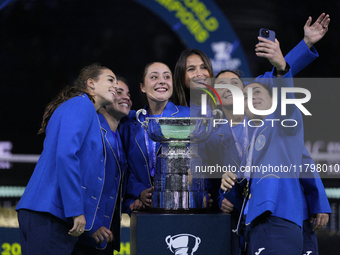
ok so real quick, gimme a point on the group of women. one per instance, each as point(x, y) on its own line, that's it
point(94, 165)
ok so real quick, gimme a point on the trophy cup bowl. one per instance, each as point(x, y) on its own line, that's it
point(177, 186)
point(179, 129)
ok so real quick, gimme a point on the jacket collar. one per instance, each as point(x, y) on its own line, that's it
point(169, 111)
point(109, 138)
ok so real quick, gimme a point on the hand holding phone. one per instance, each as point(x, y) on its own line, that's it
point(268, 34)
point(270, 51)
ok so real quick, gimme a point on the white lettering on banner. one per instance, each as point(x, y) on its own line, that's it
point(324, 151)
point(222, 59)
point(5, 150)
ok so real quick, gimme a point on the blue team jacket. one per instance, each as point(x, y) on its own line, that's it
point(283, 193)
point(109, 209)
point(69, 175)
point(315, 194)
point(294, 196)
point(134, 143)
point(298, 58)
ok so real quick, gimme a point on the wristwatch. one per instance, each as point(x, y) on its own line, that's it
point(283, 72)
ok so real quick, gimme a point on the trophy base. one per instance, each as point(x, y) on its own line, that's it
point(178, 211)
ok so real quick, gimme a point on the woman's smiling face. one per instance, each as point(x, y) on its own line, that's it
point(224, 93)
point(196, 72)
point(157, 83)
point(261, 99)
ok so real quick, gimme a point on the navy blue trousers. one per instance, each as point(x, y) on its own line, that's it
point(82, 249)
point(310, 242)
point(272, 235)
point(45, 234)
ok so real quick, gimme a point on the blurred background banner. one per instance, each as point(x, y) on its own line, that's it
point(44, 44)
point(202, 25)
point(3, 3)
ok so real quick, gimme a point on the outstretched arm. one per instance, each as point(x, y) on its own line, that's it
point(302, 54)
point(316, 31)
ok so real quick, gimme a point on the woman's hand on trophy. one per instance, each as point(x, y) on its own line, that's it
point(210, 201)
point(137, 205)
point(146, 196)
point(227, 206)
point(228, 181)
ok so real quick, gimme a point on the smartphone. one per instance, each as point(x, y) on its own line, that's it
point(268, 34)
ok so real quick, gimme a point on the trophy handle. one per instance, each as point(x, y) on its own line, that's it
point(197, 243)
point(219, 112)
point(198, 240)
point(143, 111)
point(168, 241)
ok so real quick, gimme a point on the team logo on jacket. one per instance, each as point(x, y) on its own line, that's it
point(260, 142)
point(183, 244)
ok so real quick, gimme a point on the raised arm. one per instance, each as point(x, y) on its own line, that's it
point(316, 31)
point(302, 54)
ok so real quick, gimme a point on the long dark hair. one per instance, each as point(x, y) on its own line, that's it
point(265, 86)
point(181, 95)
point(92, 71)
point(142, 81)
point(238, 73)
point(122, 79)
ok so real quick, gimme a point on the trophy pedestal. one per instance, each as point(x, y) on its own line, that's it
point(179, 211)
point(179, 233)
point(177, 186)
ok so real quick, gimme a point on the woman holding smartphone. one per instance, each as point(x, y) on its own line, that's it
point(194, 65)
point(234, 139)
point(278, 201)
point(228, 144)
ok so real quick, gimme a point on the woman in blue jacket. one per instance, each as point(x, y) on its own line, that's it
point(192, 70)
point(61, 199)
point(104, 237)
point(226, 145)
point(278, 201)
point(195, 66)
point(156, 84)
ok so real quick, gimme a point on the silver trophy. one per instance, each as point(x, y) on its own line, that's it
point(177, 186)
